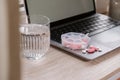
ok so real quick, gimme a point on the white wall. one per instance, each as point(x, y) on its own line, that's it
point(102, 6)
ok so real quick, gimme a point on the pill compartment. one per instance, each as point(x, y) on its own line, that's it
point(75, 40)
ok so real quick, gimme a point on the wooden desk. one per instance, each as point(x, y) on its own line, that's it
point(112, 75)
point(59, 65)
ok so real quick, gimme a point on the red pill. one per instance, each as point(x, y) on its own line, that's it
point(91, 50)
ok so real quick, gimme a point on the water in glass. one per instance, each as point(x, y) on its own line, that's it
point(35, 40)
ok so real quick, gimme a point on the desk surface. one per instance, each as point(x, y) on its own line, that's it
point(59, 65)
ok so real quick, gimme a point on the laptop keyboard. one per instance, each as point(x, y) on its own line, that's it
point(93, 25)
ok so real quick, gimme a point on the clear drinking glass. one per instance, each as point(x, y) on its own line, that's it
point(114, 10)
point(35, 37)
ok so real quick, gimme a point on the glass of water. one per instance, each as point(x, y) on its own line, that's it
point(35, 37)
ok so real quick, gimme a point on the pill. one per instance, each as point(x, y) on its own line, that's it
point(99, 50)
point(96, 48)
point(91, 50)
point(84, 51)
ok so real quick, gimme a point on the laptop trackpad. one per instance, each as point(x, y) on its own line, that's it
point(109, 38)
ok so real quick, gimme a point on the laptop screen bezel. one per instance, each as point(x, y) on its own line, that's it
point(66, 20)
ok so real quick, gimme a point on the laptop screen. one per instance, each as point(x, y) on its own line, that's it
point(59, 9)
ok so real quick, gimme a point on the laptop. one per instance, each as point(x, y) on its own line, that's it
point(78, 16)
